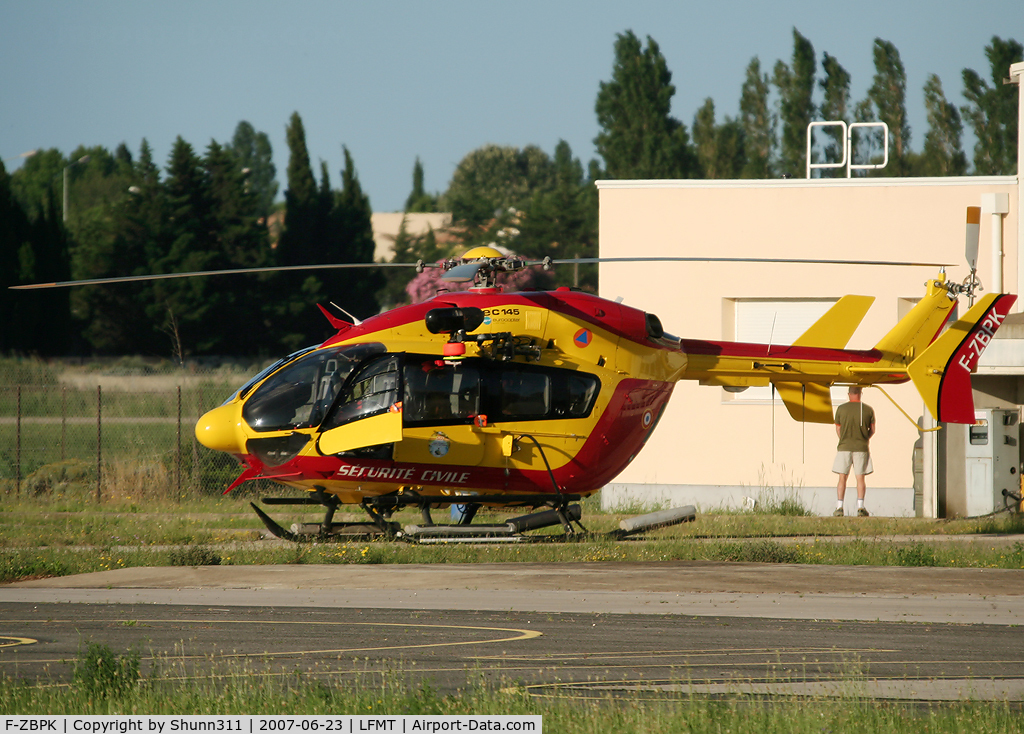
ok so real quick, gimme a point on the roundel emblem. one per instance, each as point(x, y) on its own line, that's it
point(583, 337)
point(439, 445)
point(648, 418)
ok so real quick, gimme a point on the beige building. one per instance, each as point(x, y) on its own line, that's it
point(713, 447)
point(386, 226)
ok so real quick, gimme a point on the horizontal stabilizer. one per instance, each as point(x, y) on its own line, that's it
point(807, 402)
point(834, 329)
point(942, 373)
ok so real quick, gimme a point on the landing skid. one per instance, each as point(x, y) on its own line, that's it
point(380, 526)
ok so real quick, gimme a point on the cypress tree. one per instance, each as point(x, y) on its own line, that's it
point(796, 105)
point(296, 245)
point(943, 154)
point(758, 122)
point(638, 137)
point(992, 111)
point(888, 94)
point(419, 200)
point(352, 219)
point(834, 106)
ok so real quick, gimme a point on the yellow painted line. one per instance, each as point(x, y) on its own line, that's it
point(15, 641)
point(695, 653)
point(520, 635)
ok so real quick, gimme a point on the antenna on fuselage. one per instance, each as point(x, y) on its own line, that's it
point(355, 321)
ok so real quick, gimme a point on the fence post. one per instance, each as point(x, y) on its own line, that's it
point(177, 471)
point(17, 450)
point(99, 442)
point(63, 421)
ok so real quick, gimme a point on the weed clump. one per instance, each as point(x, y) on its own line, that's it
point(762, 551)
point(916, 554)
point(102, 673)
point(194, 555)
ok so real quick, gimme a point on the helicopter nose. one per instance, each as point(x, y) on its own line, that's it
point(221, 429)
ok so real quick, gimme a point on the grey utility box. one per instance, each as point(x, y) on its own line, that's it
point(992, 460)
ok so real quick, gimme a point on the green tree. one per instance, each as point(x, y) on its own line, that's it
point(758, 122)
point(351, 220)
point(296, 245)
point(888, 97)
point(719, 148)
point(292, 322)
point(182, 306)
point(795, 84)
point(408, 248)
point(704, 138)
point(32, 250)
point(492, 179)
point(419, 200)
point(943, 153)
point(992, 110)
point(39, 181)
point(561, 221)
point(124, 238)
point(835, 106)
point(254, 152)
point(638, 136)
point(240, 240)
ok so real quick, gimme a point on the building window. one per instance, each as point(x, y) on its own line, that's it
point(779, 322)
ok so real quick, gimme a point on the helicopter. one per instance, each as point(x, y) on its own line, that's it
point(537, 399)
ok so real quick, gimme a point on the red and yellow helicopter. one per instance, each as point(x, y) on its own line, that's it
point(538, 399)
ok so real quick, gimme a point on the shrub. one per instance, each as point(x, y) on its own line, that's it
point(60, 476)
point(102, 673)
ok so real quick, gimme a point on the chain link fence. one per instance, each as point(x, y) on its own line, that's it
point(113, 429)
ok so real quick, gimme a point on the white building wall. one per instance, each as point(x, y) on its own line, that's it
point(711, 449)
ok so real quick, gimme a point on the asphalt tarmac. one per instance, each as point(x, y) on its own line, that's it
point(921, 634)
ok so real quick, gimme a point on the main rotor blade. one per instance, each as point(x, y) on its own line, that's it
point(781, 260)
point(462, 273)
point(238, 271)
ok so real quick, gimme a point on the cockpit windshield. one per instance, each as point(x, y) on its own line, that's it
point(299, 394)
point(258, 377)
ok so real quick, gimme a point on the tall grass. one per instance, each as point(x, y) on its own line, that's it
point(66, 532)
point(106, 682)
point(33, 563)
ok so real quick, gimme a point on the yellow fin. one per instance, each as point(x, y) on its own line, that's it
point(812, 406)
point(834, 329)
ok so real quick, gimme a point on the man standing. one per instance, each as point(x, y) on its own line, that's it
point(855, 425)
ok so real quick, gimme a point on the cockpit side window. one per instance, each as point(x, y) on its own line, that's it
point(298, 395)
point(538, 393)
point(373, 389)
point(525, 394)
point(436, 392)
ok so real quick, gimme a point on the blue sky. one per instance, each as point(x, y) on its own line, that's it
point(397, 80)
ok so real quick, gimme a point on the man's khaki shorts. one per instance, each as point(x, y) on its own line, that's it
point(859, 460)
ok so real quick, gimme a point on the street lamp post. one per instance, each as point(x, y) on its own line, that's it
point(26, 154)
point(83, 159)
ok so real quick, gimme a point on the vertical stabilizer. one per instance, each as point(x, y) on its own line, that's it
point(917, 329)
point(942, 373)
